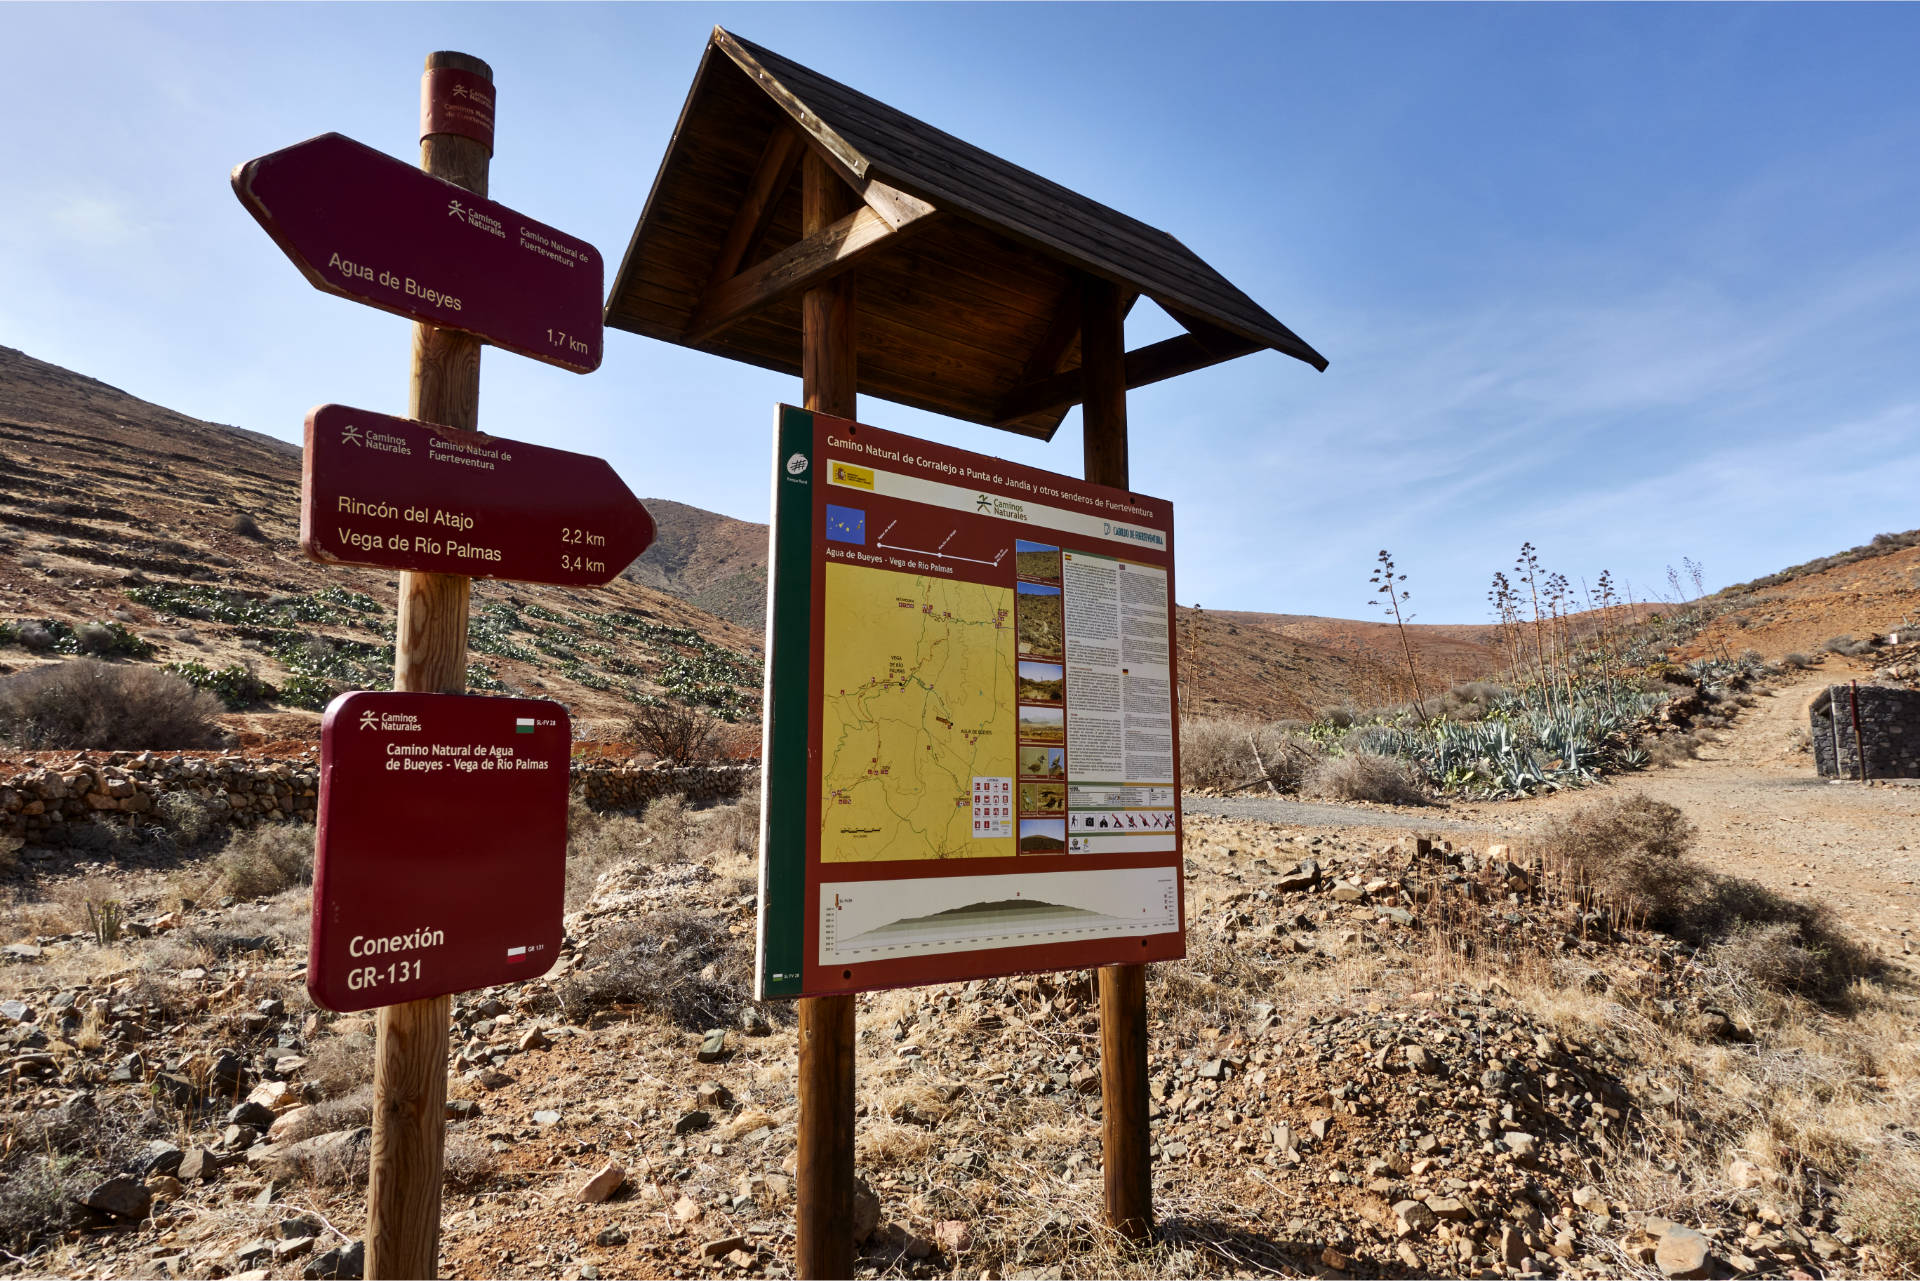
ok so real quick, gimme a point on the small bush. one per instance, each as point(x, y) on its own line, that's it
point(469, 1161)
point(596, 842)
point(1847, 646)
point(1363, 776)
point(187, 818)
point(736, 828)
point(1671, 749)
point(55, 1155)
point(93, 704)
point(243, 524)
point(338, 1066)
point(1213, 752)
point(1631, 853)
point(680, 964)
point(110, 639)
point(676, 734)
point(1797, 661)
point(34, 636)
point(669, 825)
point(264, 861)
point(234, 685)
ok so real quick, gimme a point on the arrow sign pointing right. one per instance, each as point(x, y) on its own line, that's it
point(361, 224)
point(398, 494)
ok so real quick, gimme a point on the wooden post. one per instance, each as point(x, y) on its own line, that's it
point(1125, 1138)
point(824, 1193)
point(430, 655)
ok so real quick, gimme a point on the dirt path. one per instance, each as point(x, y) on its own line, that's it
point(1761, 810)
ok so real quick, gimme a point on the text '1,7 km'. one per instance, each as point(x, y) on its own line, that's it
point(361, 224)
point(399, 494)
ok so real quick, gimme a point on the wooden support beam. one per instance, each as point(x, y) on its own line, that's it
point(823, 1202)
point(1124, 1138)
point(814, 261)
point(771, 178)
point(1153, 363)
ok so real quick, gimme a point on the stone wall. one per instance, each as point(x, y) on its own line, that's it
point(629, 786)
point(1889, 722)
point(44, 800)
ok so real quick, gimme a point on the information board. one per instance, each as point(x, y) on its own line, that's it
point(400, 494)
point(971, 750)
point(441, 858)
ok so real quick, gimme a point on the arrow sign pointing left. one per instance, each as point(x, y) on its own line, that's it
point(363, 225)
point(399, 494)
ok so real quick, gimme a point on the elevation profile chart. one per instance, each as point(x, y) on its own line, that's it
point(864, 921)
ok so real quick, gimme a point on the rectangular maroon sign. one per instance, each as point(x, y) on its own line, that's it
point(442, 853)
point(400, 494)
point(363, 225)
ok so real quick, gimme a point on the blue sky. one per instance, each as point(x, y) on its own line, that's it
point(1630, 282)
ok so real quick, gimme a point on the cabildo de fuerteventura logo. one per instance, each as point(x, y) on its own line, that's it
point(796, 464)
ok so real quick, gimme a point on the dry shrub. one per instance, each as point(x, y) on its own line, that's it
point(669, 825)
point(736, 828)
point(243, 524)
point(676, 734)
point(1214, 753)
point(54, 1155)
point(338, 1066)
point(469, 1162)
point(1847, 646)
point(260, 862)
point(1364, 776)
point(187, 818)
point(673, 962)
point(1670, 749)
point(350, 1110)
point(1231, 753)
point(87, 703)
point(1798, 661)
point(1631, 854)
point(596, 842)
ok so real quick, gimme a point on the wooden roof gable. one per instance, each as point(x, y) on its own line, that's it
point(969, 268)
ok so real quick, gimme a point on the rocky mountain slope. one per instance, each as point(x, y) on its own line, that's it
point(712, 561)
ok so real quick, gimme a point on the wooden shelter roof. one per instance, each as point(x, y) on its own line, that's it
point(969, 267)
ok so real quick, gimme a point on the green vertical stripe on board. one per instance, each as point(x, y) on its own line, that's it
point(790, 661)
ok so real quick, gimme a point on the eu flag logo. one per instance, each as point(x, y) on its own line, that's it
point(846, 525)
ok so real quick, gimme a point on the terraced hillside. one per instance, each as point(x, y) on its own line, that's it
point(137, 532)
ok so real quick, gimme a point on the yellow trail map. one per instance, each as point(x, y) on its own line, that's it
point(917, 701)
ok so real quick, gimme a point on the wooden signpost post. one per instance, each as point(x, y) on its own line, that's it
point(426, 495)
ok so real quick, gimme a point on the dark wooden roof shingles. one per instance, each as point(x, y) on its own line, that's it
point(957, 175)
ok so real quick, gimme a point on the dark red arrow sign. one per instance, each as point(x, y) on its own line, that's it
point(442, 853)
point(361, 224)
point(400, 494)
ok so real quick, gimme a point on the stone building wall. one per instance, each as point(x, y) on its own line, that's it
point(45, 801)
point(1889, 723)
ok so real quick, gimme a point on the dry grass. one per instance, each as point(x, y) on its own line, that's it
point(681, 964)
point(258, 862)
point(1364, 776)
